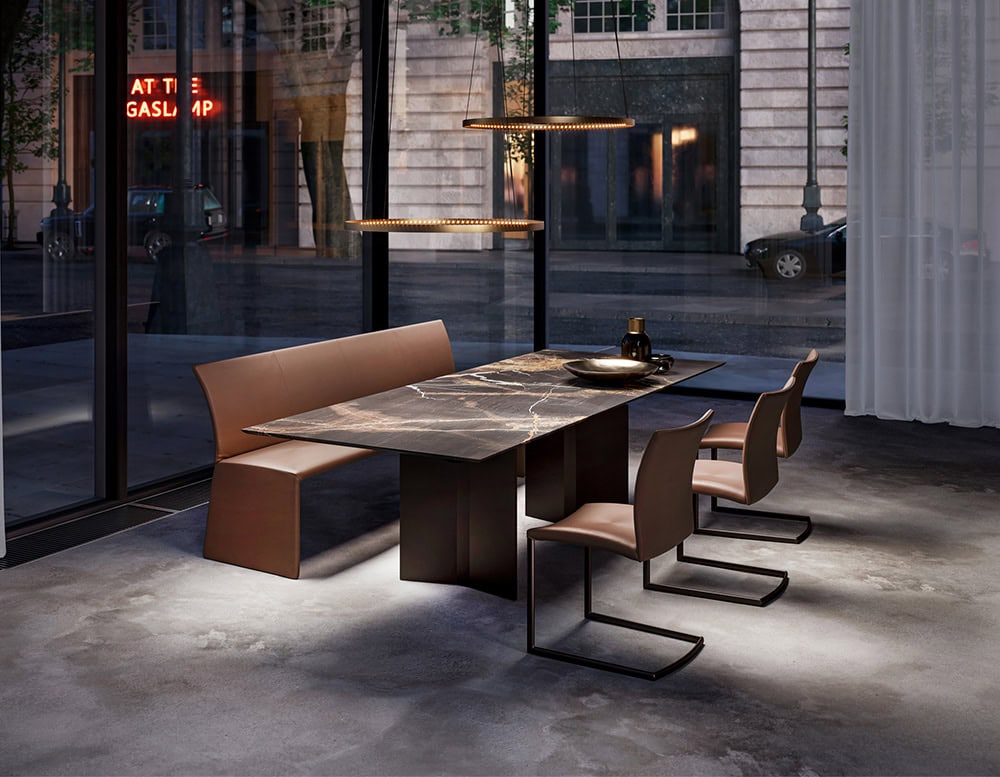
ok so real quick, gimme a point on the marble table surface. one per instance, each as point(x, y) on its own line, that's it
point(478, 413)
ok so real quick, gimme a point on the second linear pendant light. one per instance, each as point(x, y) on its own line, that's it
point(505, 123)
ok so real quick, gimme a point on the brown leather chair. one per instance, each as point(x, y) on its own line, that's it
point(745, 482)
point(659, 521)
point(731, 435)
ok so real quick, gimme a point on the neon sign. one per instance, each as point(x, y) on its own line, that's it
point(155, 97)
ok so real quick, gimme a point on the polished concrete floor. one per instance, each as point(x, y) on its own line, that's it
point(134, 655)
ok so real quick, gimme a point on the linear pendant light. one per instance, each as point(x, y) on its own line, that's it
point(537, 123)
point(544, 123)
point(438, 225)
point(444, 225)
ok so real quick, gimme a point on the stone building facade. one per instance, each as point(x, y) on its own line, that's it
point(736, 82)
point(773, 118)
point(718, 156)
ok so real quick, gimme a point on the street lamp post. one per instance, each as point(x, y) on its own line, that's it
point(60, 192)
point(56, 285)
point(811, 200)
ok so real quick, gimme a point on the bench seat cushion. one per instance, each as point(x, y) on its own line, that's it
point(302, 459)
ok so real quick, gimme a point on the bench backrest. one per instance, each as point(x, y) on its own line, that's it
point(260, 387)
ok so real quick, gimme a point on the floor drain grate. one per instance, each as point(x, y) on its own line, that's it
point(45, 542)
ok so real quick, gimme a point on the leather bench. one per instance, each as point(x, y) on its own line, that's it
point(253, 513)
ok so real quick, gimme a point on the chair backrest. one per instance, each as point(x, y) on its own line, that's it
point(760, 456)
point(664, 514)
point(790, 430)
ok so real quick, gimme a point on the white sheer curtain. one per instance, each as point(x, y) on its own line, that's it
point(923, 265)
point(3, 537)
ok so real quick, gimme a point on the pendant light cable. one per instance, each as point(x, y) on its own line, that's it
point(572, 54)
point(392, 92)
point(475, 52)
point(438, 225)
point(366, 192)
point(507, 145)
point(535, 123)
point(621, 69)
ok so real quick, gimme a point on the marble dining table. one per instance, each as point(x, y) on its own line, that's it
point(458, 437)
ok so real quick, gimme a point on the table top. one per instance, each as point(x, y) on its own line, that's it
point(477, 413)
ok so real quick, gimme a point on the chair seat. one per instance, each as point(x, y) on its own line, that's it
point(602, 525)
point(731, 435)
point(719, 478)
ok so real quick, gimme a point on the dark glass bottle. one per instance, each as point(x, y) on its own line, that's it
point(635, 343)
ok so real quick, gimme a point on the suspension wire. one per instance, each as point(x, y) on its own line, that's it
point(621, 70)
point(500, 24)
point(572, 54)
point(524, 61)
point(367, 189)
point(392, 90)
point(475, 51)
point(503, 70)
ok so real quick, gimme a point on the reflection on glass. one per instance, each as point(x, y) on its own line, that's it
point(639, 178)
point(243, 247)
point(694, 165)
point(478, 284)
point(582, 191)
point(648, 222)
point(47, 293)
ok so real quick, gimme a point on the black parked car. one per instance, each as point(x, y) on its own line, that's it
point(147, 209)
point(793, 255)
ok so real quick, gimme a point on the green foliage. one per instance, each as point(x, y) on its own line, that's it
point(510, 29)
point(30, 95)
point(508, 26)
point(12, 16)
point(71, 24)
point(459, 17)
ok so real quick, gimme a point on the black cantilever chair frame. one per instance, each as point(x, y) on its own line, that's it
point(658, 521)
point(746, 482)
point(698, 642)
point(732, 436)
point(723, 596)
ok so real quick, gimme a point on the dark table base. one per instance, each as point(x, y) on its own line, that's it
point(458, 520)
point(586, 462)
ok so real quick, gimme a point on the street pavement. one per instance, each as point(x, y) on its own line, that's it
point(695, 305)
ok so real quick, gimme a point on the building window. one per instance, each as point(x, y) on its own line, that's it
point(315, 25)
point(600, 15)
point(696, 14)
point(227, 24)
point(159, 25)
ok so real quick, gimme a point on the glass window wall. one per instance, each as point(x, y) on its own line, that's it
point(243, 158)
point(236, 209)
point(46, 284)
point(693, 218)
point(448, 65)
point(237, 152)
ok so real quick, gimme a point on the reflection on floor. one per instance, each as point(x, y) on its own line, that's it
point(134, 655)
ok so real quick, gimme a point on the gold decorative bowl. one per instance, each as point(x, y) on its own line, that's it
point(610, 369)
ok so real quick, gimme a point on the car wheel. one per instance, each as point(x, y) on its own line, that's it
point(155, 242)
point(789, 265)
point(59, 246)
